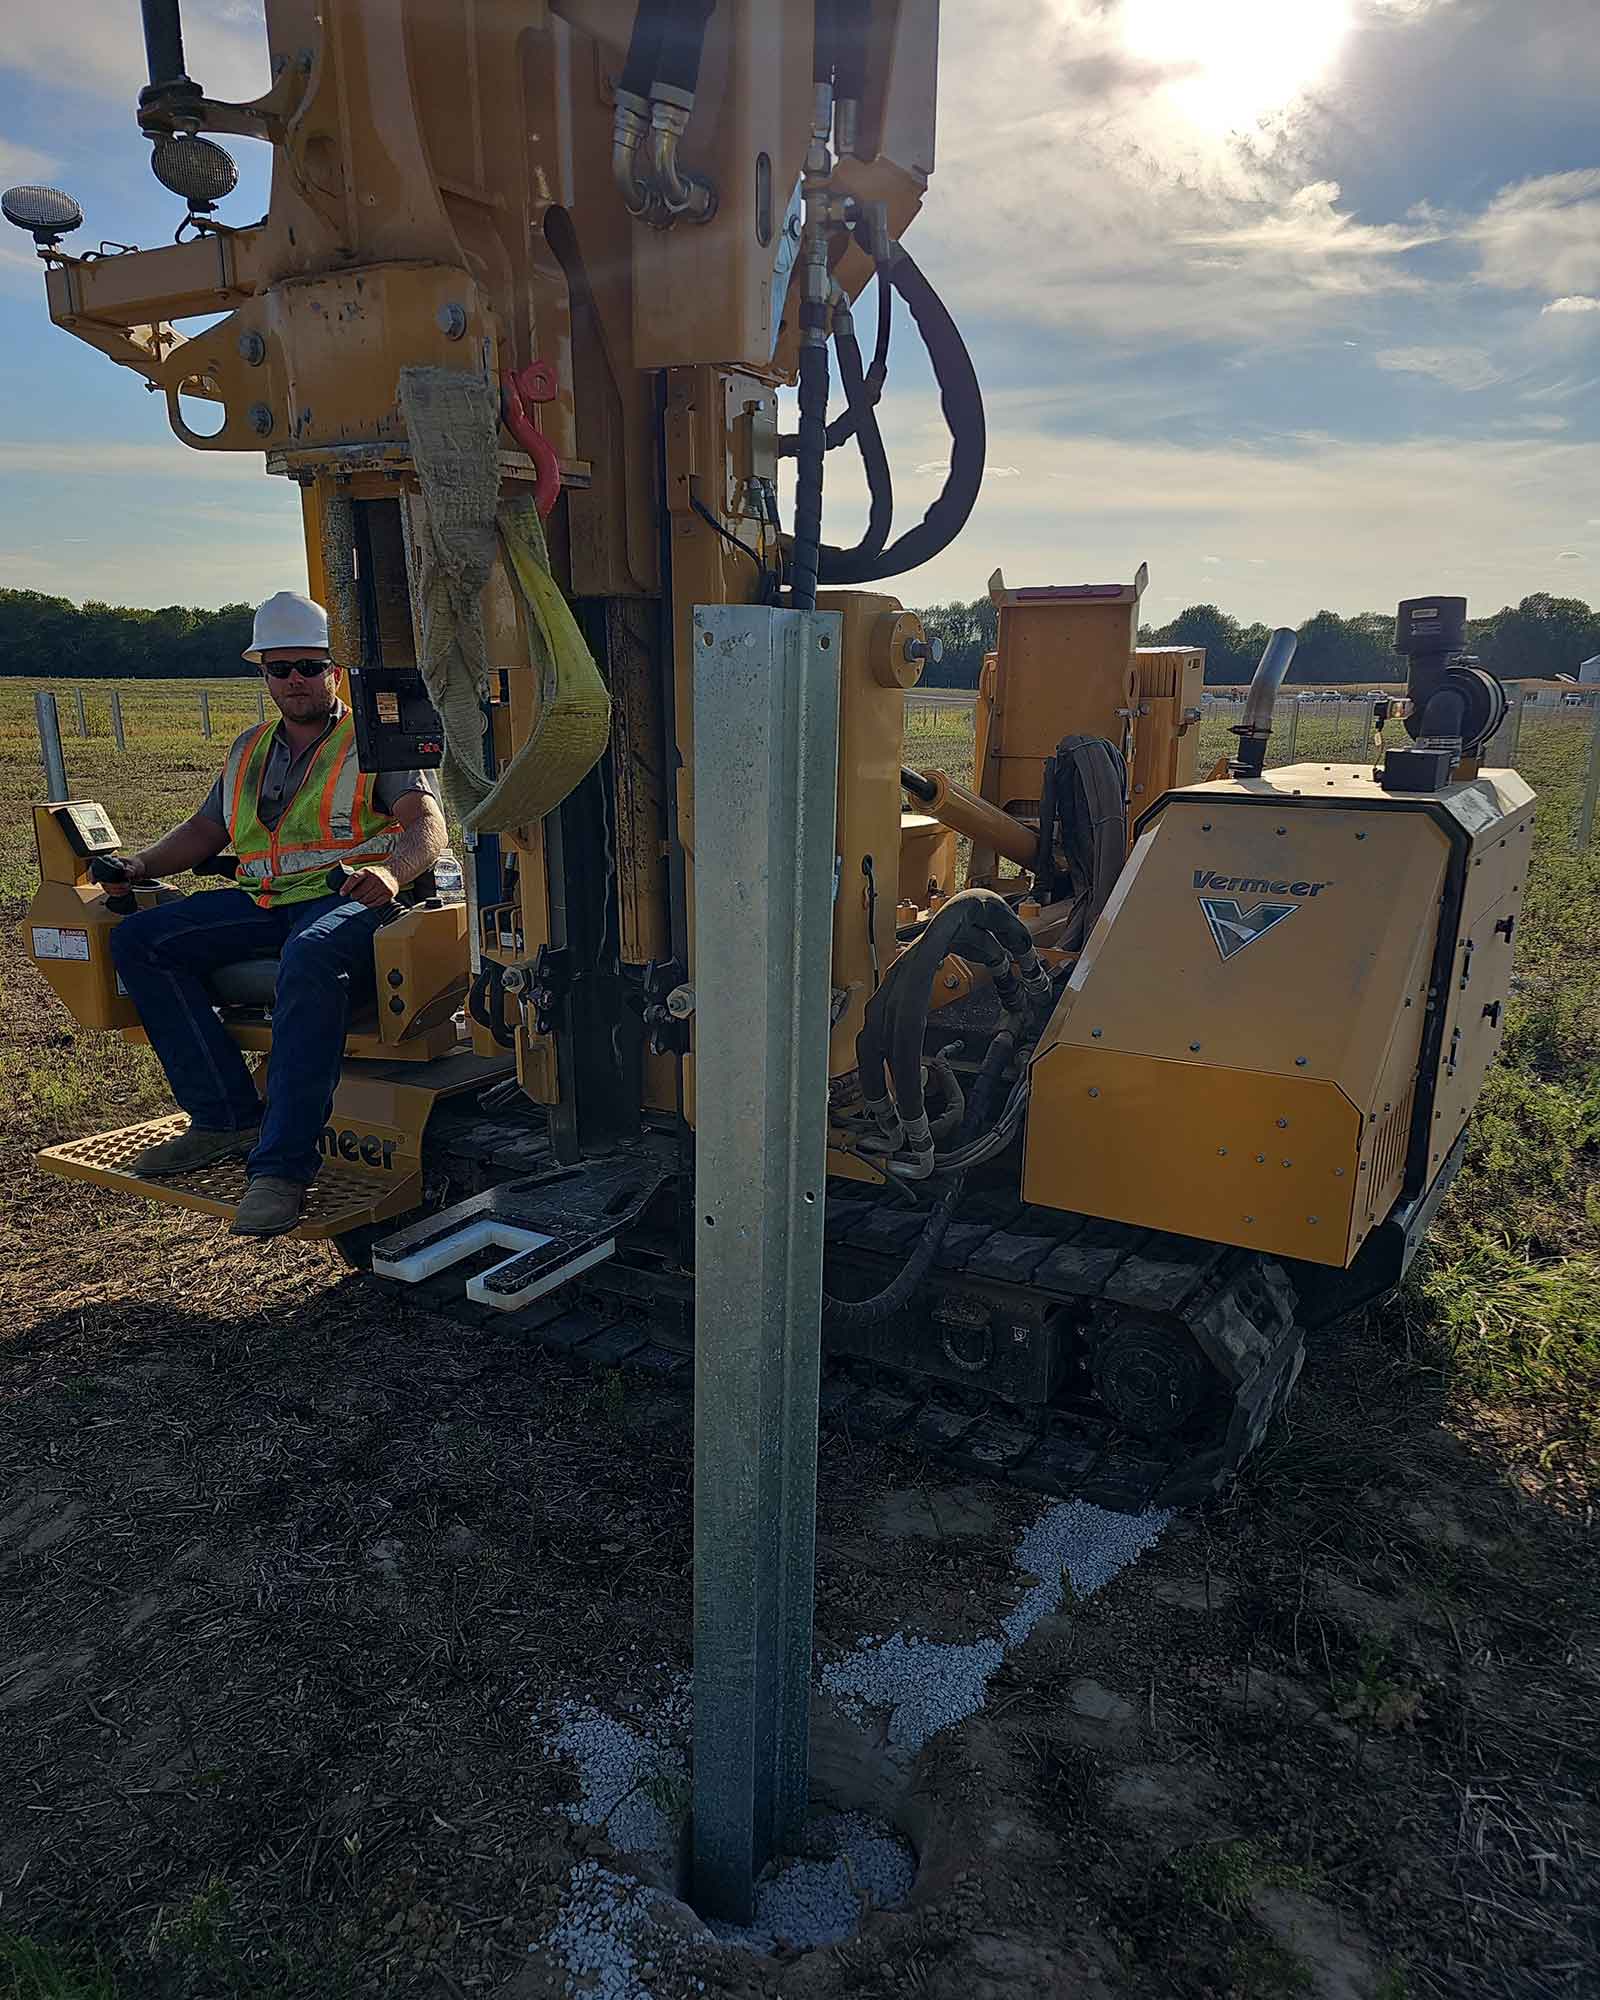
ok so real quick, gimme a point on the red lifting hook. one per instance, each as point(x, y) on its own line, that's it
point(535, 384)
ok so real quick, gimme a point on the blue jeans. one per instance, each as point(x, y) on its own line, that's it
point(325, 960)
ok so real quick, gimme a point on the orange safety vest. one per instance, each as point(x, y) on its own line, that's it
point(329, 820)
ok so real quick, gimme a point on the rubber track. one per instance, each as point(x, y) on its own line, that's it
point(1238, 1306)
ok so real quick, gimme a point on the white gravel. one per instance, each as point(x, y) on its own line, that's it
point(624, 1775)
point(611, 1927)
point(852, 1864)
point(927, 1685)
point(606, 1933)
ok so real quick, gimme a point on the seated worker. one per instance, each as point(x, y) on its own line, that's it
point(294, 805)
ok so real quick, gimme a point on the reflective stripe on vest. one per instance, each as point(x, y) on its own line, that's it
point(329, 820)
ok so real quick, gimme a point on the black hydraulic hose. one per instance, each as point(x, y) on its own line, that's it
point(852, 24)
point(869, 439)
point(962, 403)
point(917, 785)
point(900, 1288)
point(683, 41)
point(843, 427)
point(163, 40)
point(644, 48)
point(803, 555)
point(979, 924)
point(825, 40)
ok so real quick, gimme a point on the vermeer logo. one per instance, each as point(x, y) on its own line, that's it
point(1231, 923)
point(366, 1147)
point(1233, 926)
point(1255, 885)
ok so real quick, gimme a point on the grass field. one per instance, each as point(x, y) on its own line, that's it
point(287, 1576)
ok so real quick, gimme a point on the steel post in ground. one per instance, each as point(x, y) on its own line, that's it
point(1294, 729)
point(116, 720)
point(205, 714)
point(1591, 781)
point(83, 719)
point(51, 755)
point(261, 704)
point(766, 753)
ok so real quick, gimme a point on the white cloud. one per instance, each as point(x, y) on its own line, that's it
point(64, 458)
point(1574, 302)
point(1542, 235)
point(22, 163)
point(1327, 518)
point(1464, 368)
point(1099, 204)
point(95, 46)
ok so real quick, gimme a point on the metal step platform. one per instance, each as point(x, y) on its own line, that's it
point(337, 1200)
point(555, 1227)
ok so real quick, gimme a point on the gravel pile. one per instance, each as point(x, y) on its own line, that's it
point(606, 1937)
point(927, 1685)
point(625, 1776)
point(852, 1864)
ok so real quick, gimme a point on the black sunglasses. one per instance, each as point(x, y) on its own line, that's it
point(280, 670)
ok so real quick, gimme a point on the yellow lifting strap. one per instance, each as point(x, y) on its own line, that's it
point(453, 420)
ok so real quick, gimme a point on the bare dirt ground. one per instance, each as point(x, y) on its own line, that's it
point(288, 1574)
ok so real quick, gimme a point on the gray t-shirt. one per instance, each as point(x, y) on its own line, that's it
point(284, 772)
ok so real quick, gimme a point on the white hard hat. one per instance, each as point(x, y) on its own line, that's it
point(287, 620)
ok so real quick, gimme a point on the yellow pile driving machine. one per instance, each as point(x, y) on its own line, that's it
point(1136, 1074)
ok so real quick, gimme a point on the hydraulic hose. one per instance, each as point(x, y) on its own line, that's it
point(163, 40)
point(869, 439)
point(682, 44)
point(898, 1292)
point(843, 427)
point(978, 924)
point(825, 40)
point(644, 48)
point(962, 403)
point(813, 444)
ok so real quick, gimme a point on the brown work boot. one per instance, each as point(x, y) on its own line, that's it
point(269, 1207)
point(192, 1149)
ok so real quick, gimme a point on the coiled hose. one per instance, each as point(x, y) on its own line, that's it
point(874, 459)
point(961, 400)
point(900, 1288)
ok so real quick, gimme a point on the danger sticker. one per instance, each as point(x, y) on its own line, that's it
point(51, 942)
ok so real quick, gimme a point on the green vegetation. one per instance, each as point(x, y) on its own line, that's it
point(1534, 640)
point(33, 1971)
point(1225, 1874)
point(1509, 1292)
point(51, 636)
point(1540, 637)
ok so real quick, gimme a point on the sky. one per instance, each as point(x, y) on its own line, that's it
point(1297, 301)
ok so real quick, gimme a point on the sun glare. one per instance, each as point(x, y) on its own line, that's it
point(1236, 61)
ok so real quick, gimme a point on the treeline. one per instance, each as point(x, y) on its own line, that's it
point(1539, 638)
point(50, 636)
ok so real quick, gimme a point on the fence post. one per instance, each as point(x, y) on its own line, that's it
point(83, 720)
point(766, 760)
point(1591, 781)
point(261, 704)
point(48, 718)
point(1294, 729)
point(116, 720)
point(205, 714)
